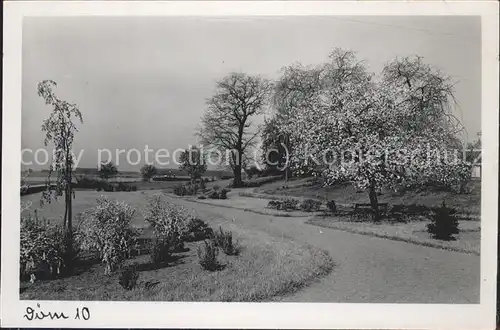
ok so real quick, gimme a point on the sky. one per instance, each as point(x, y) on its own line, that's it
point(144, 80)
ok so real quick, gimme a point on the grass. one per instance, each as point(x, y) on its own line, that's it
point(267, 267)
point(467, 241)
point(347, 194)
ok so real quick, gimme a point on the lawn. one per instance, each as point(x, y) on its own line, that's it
point(347, 194)
point(266, 268)
point(413, 231)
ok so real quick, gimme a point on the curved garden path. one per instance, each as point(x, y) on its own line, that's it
point(368, 269)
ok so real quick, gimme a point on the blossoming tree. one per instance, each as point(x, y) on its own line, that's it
point(375, 131)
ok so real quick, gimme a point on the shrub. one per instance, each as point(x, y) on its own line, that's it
point(213, 195)
point(122, 186)
point(180, 190)
point(223, 194)
point(185, 190)
point(275, 204)
point(207, 255)
point(160, 250)
point(41, 248)
point(88, 182)
point(290, 204)
point(106, 229)
point(198, 230)
point(128, 277)
point(444, 223)
point(411, 209)
point(331, 206)
point(224, 240)
point(309, 205)
point(253, 171)
point(168, 221)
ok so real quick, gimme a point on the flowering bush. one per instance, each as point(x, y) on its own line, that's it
point(41, 244)
point(170, 223)
point(106, 229)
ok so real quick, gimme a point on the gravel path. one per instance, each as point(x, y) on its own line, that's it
point(368, 269)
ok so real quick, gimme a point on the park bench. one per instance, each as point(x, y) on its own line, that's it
point(367, 207)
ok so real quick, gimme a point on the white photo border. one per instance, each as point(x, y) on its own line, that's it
point(247, 315)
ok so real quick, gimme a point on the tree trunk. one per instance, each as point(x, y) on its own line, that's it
point(374, 202)
point(237, 182)
point(69, 229)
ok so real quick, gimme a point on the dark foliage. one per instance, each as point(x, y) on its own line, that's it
point(207, 255)
point(444, 223)
point(331, 206)
point(128, 277)
point(198, 230)
point(310, 205)
point(161, 250)
point(224, 240)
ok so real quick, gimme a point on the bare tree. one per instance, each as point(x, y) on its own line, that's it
point(59, 130)
point(227, 122)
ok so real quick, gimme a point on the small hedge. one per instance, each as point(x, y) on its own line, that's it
point(257, 182)
point(216, 194)
point(310, 205)
point(287, 204)
point(187, 189)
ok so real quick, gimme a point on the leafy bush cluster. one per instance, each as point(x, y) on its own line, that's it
point(220, 240)
point(122, 186)
point(253, 171)
point(310, 205)
point(106, 229)
point(215, 193)
point(198, 230)
point(88, 182)
point(169, 178)
point(444, 223)
point(257, 182)
point(286, 204)
point(188, 189)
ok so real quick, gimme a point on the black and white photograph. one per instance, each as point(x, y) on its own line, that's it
point(343, 159)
